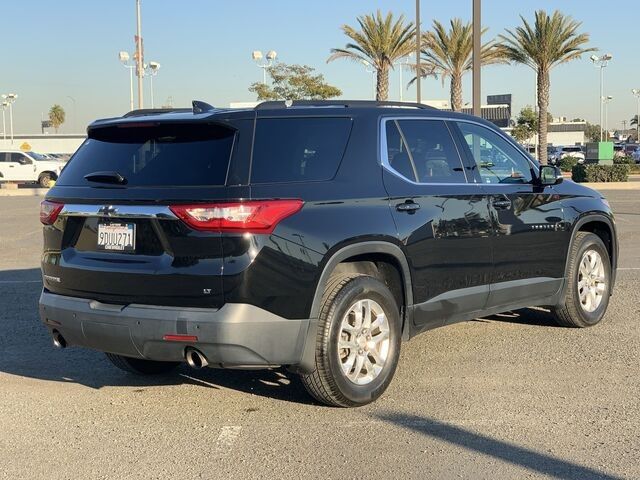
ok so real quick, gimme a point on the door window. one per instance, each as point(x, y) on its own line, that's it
point(20, 158)
point(497, 161)
point(423, 151)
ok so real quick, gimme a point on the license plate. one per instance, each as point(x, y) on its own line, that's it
point(119, 237)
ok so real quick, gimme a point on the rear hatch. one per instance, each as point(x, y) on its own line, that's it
point(109, 232)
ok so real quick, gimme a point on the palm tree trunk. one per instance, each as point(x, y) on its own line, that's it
point(543, 107)
point(456, 92)
point(382, 83)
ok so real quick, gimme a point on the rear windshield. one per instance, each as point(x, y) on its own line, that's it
point(154, 155)
point(572, 149)
point(298, 149)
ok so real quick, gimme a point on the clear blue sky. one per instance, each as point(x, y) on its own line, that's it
point(53, 50)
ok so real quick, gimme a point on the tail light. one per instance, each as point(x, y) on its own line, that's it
point(242, 217)
point(49, 211)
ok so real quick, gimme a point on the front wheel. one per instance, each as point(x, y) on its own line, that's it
point(45, 180)
point(358, 342)
point(589, 283)
point(140, 366)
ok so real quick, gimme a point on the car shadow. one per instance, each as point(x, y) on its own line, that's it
point(532, 460)
point(26, 350)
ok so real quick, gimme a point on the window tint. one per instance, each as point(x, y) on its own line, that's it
point(155, 155)
point(431, 152)
point(298, 149)
point(397, 152)
point(496, 159)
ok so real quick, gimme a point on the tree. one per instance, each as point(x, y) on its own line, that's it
point(592, 132)
point(294, 82)
point(449, 53)
point(550, 41)
point(380, 42)
point(56, 116)
point(526, 125)
point(634, 120)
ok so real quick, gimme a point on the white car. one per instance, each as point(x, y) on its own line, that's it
point(573, 151)
point(18, 166)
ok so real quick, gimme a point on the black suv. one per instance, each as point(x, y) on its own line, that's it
point(311, 235)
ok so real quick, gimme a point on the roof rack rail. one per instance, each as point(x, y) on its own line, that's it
point(272, 105)
point(141, 112)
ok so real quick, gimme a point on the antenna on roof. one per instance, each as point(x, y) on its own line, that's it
point(201, 107)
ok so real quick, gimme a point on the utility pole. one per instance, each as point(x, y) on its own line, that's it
point(139, 56)
point(418, 45)
point(477, 60)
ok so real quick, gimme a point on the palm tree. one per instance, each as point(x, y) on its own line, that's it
point(634, 120)
point(450, 55)
point(56, 116)
point(550, 41)
point(380, 42)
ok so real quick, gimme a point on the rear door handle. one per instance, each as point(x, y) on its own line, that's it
point(408, 206)
point(501, 203)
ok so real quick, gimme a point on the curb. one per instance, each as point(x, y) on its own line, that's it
point(24, 192)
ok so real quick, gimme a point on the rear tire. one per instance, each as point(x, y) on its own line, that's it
point(139, 366)
point(588, 283)
point(358, 342)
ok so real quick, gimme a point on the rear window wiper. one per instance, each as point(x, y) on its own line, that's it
point(106, 177)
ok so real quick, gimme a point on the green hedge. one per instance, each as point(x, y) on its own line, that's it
point(593, 172)
point(566, 164)
point(624, 161)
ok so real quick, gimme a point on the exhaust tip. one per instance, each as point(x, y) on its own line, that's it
point(195, 358)
point(58, 339)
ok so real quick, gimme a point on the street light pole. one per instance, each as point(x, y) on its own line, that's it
point(370, 69)
point(256, 55)
point(8, 99)
point(124, 59)
point(418, 46)
point(605, 102)
point(601, 63)
point(636, 93)
point(152, 69)
point(4, 123)
point(477, 46)
point(139, 56)
point(74, 111)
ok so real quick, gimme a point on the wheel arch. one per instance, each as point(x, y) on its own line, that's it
point(358, 250)
point(602, 226)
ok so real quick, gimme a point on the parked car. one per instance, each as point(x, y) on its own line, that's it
point(19, 166)
point(559, 153)
point(312, 235)
point(636, 154)
point(619, 151)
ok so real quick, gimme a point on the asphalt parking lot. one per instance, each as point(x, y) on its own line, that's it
point(508, 397)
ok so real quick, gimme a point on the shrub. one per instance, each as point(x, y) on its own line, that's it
point(624, 161)
point(566, 164)
point(593, 172)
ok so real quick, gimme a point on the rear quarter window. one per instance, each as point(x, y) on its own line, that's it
point(185, 154)
point(298, 149)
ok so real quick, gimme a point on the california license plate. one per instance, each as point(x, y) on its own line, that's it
point(120, 237)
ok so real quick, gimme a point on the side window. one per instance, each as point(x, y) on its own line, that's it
point(397, 152)
point(298, 149)
point(496, 159)
point(425, 152)
point(20, 158)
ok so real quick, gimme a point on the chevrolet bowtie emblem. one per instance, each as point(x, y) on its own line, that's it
point(108, 210)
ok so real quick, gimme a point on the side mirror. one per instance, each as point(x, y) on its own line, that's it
point(550, 175)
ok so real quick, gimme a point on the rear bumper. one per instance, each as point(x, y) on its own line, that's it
point(236, 335)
